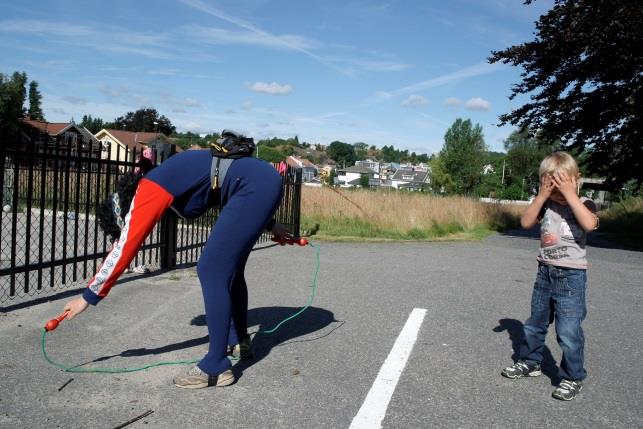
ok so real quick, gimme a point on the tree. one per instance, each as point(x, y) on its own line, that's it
point(585, 81)
point(342, 153)
point(270, 154)
point(143, 120)
point(35, 99)
point(441, 181)
point(361, 150)
point(525, 151)
point(12, 100)
point(364, 180)
point(463, 155)
point(94, 125)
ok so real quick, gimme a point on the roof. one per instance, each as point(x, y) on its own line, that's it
point(131, 139)
point(417, 176)
point(296, 162)
point(51, 128)
point(57, 128)
point(358, 169)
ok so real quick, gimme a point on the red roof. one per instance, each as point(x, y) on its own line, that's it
point(51, 128)
point(296, 162)
point(132, 138)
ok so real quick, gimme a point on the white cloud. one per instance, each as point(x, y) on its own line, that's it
point(452, 101)
point(415, 101)
point(74, 100)
point(191, 102)
point(100, 36)
point(478, 103)
point(111, 91)
point(247, 105)
point(270, 88)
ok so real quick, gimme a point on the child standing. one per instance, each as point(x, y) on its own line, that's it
point(562, 274)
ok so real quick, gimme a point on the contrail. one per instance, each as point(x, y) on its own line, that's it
point(210, 10)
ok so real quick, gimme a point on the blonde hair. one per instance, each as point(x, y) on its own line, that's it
point(558, 161)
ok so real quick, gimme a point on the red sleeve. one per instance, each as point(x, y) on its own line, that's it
point(148, 205)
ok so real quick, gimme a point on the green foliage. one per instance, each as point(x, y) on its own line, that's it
point(12, 99)
point(584, 83)
point(490, 185)
point(270, 154)
point(513, 191)
point(361, 151)
point(463, 155)
point(188, 139)
point(525, 151)
point(94, 125)
point(35, 100)
point(342, 153)
point(143, 120)
point(441, 181)
point(330, 178)
point(363, 180)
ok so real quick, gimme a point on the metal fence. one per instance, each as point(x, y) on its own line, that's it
point(49, 237)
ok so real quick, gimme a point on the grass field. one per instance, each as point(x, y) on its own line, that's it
point(364, 215)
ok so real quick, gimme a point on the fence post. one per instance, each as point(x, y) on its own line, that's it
point(169, 228)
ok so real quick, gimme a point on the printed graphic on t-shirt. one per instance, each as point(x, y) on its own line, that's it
point(562, 240)
point(549, 230)
point(552, 230)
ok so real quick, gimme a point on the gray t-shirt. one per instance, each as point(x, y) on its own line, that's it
point(562, 240)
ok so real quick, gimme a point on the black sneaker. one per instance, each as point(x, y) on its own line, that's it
point(567, 390)
point(522, 369)
point(243, 350)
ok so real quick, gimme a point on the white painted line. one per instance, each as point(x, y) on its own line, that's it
point(373, 410)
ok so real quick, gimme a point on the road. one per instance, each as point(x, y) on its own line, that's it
point(317, 370)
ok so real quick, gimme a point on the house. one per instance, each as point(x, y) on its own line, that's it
point(60, 137)
point(308, 169)
point(410, 179)
point(352, 176)
point(118, 143)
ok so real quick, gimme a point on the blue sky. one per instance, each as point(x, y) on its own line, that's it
point(374, 71)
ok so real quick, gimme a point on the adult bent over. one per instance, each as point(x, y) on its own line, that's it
point(248, 191)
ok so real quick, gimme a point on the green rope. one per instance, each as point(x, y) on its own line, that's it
point(76, 368)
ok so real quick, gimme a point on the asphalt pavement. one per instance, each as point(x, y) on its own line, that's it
point(317, 369)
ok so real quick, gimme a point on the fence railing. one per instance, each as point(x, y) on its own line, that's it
point(49, 237)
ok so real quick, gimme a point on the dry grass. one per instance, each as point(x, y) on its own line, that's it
point(624, 221)
point(399, 215)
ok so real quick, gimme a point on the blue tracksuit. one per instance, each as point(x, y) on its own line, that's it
point(248, 197)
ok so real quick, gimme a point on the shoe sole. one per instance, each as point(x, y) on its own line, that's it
point(531, 374)
point(560, 398)
point(220, 383)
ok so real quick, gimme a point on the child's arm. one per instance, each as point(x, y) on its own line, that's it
point(584, 216)
point(530, 216)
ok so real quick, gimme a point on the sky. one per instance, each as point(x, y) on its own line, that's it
point(382, 72)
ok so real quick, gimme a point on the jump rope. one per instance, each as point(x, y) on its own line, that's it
point(53, 324)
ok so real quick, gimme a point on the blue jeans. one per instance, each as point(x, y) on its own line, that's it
point(561, 290)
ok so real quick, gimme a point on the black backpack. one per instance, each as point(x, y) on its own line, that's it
point(232, 145)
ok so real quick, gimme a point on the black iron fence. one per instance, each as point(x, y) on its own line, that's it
point(49, 237)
